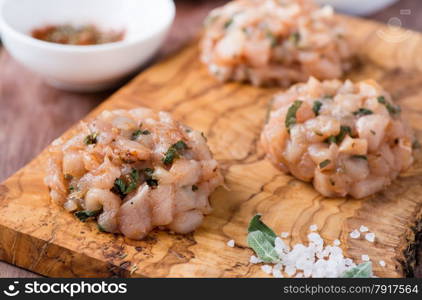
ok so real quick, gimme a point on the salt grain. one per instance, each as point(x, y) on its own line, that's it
point(313, 227)
point(230, 243)
point(365, 257)
point(277, 273)
point(382, 263)
point(284, 235)
point(315, 238)
point(355, 234)
point(348, 262)
point(307, 272)
point(363, 229)
point(267, 269)
point(370, 237)
point(290, 270)
point(279, 244)
point(254, 260)
point(336, 243)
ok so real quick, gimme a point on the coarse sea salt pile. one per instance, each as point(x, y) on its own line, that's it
point(314, 260)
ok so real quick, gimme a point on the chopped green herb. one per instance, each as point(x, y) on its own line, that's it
point(210, 20)
point(132, 180)
point(149, 177)
point(149, 172)
point(331, 140)
point(294, 38)
point(318, 133)
point(68, 177)
point(138, 133)
point(228, 23)
point(360, 157)
point(127, 183)
point(194, 188)
point(119, 187)
point(363, 112)
point(291, 114)
point(152, 183)
point(71, 189)
point(416, 144)
point(180, 146)
point(363, 270)
point(84, 215)
point(324, 163)
point(170, 156)
point(101, 228)
point(391, 109)
point(272, 38)
point(91, 138)
point(317, 107)
point(174, 152)
point(344, 130)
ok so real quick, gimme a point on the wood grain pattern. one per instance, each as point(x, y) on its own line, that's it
point(40, 236)
point(24, 95)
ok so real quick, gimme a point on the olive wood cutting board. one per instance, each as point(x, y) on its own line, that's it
point(40, 236)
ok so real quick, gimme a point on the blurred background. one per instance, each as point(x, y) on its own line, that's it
point(32, 113)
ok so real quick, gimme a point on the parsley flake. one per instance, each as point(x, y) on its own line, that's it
point(344, 130)
point(324, 163)
point(91, 139)
point(391, 108)
point(363, 112)
point(174, 152)
point(84, 215)
point(360, 157)
point(317, 107)
point(291, 114)
point(138, 133)
point(126, 184)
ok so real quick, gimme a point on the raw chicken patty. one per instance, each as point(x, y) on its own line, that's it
point(133, 171)
point(277, 42)
point(348, 138)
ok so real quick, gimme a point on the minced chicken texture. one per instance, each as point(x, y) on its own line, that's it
point(133, 171)
point(275, 42)
point(348, 138)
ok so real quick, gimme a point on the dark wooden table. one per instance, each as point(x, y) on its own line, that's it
point(32, 114)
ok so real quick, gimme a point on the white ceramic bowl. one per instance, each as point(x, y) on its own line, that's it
point(85, 68)
point(357, 7)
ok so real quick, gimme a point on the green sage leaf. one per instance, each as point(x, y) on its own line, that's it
point(259, 242)
point(257, 225)
point(363, 270)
